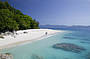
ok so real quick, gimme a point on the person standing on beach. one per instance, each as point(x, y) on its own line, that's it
point(46, 33)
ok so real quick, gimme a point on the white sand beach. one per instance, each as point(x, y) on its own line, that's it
point(23, 36)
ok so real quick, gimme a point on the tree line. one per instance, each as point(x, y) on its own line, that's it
point(12, 19)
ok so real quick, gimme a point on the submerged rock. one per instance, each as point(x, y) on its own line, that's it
point(85, 42)
point(68, 47)
point(36, 57)
point(66, 37)
point(6, 56)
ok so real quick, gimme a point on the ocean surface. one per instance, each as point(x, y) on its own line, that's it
point(43, 49)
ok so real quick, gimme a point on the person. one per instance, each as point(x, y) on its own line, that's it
point(46, 33)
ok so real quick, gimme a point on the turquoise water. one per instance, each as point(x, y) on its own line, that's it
point(44, 50)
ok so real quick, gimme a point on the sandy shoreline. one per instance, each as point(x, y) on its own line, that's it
point(26, 36)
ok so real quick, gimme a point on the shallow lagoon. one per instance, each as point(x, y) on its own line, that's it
point(42, 49)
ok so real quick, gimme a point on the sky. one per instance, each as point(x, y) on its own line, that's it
point(56, 12)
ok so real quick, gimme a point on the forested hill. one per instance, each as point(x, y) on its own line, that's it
point(12, 19)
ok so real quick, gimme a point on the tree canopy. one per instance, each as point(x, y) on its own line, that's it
point(12, 19)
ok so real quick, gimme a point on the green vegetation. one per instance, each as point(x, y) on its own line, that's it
point(12, 19)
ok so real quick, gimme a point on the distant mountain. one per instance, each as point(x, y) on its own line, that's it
point(64, 27)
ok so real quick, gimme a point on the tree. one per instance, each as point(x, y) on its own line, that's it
point(6, 21)
point(12, 19)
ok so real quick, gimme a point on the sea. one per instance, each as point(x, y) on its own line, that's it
point(43, 49)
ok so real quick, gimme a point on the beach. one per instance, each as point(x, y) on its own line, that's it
point(25, 36)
